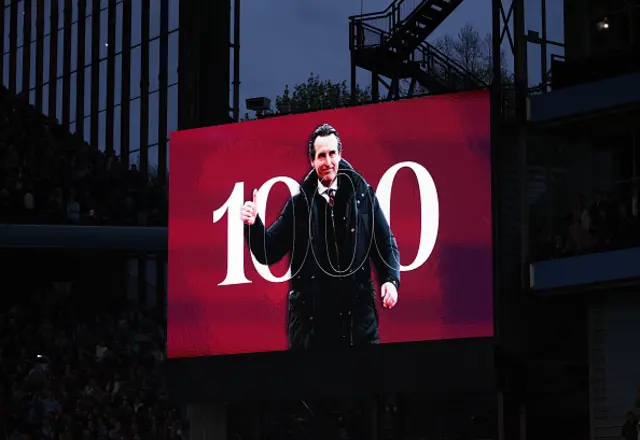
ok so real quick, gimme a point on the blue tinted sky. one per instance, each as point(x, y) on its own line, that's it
point(282, 45)
point(282, 41)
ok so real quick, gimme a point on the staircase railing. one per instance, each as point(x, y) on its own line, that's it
point(440, 66)
point(366, 36)
point(388, 20)
point(431, 60)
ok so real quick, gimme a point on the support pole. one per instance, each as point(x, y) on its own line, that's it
point(543, 47)
point(236, 60)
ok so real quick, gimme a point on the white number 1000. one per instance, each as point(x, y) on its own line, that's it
point(429, 218)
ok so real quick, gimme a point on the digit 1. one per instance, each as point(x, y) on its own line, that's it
point(235, 236)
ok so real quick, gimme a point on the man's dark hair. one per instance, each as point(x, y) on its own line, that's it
point(322, 131)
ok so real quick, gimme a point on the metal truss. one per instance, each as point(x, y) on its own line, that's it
point(393, 86)
point(508, 25)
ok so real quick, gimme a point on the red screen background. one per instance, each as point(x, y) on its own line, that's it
point(450, 296)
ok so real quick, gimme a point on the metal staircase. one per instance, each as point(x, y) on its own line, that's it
point(392, 44)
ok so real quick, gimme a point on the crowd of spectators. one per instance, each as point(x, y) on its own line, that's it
point(69, 371)
point(631, 427)
point(601, 225)
point(50, 176)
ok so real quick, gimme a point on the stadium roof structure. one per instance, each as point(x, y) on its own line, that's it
point(84, 238)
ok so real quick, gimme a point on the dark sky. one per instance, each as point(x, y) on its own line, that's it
point(282, 42)
point(282, 45)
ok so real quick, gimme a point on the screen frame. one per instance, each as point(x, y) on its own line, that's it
point(426, 366)
point(436, 366)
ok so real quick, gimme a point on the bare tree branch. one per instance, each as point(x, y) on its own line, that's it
point(473, 52)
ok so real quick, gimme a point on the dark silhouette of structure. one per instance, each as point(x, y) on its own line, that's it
point(392, 44)
point(107, 70)
point(205, 61)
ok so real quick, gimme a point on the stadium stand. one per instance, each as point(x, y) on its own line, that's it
point(48, 176)
point(75, 369)
point(72, 366)
point(597, 225)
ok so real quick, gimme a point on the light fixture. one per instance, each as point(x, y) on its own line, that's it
point(603, 24)
point(261, 105)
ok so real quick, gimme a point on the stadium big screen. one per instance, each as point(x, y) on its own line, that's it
point(263, 259)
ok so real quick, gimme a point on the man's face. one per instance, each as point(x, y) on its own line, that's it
point(327, 158)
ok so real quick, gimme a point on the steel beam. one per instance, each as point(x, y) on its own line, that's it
point(94, 135)
point(2, 48)
point(80, 67)
point(67, 20)
point(54, 18)
point(510, 208)
point(144, 91)
point(13, 46)
point(125, 87)
point(236, 60)
point(26, 51)
point(40, 58)
point(163, 92)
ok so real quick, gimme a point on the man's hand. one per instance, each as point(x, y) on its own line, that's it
point(250, 210)
point(389, 295)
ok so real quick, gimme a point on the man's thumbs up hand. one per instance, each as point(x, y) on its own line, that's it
point(250, 210)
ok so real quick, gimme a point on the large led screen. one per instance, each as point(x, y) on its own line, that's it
point(332, 229)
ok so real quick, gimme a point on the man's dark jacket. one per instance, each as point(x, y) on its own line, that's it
point(332, 300)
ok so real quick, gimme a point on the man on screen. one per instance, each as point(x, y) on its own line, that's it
point(331, 230)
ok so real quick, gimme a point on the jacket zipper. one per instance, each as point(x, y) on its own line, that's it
point(335, 242)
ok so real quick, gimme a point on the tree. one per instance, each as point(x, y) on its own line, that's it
point(473, 52)
point(313, 95)
point(317, 94)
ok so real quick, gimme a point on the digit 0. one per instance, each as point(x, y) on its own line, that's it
point(263, 195)
point(429, 209)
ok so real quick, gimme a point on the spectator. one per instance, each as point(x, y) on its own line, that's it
point(579, 239)
point(604, 226)
point(582, 213)
point(630, 427)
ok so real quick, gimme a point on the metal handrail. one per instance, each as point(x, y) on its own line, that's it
point(395, 15)
point(391, 14)
point(386, 11)
point(427, 55)
point(357, 31)
point(434, 53)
